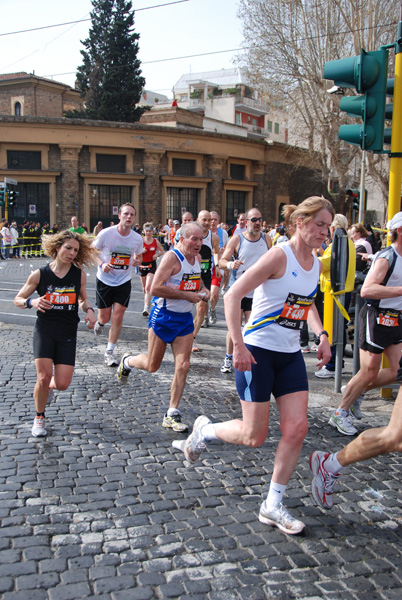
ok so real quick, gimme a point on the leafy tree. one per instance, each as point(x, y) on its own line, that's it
point(287, 44)
point(110, 78)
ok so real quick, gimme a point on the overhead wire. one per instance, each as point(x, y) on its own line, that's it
point(159, 60)
point(84, 20)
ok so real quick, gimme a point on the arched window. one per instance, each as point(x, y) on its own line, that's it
point(17, 109)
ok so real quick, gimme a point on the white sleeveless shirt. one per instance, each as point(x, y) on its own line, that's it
point(249, 252)
point(188, 278)
point(281, 305)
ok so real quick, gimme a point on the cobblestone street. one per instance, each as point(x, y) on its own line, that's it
point(105, 508)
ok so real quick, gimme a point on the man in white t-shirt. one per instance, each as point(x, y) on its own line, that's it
point(120, 249)
point(241, 225)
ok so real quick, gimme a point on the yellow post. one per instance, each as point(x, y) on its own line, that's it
point(328, 320)
point(395, 171)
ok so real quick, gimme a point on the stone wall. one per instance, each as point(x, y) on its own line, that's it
point(38, 100)
point(273, 175)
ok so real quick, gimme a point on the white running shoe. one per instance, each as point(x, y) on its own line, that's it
point(212, 317)
point(324, 373)
point(280, 517)
point(38, 427)
point(227, 366)
point(343, 423)
point(110, 359)
point(323, 482)
point(195, 443)
point(99, 328)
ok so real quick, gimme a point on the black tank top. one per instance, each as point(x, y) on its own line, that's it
point(63, 294)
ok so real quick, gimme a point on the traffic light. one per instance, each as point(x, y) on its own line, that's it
point(2, 196)
point(367, 73)
point(355, 196)
point(12, 198)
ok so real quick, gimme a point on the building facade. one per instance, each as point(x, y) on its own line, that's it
point(24, 94)
point(89, 168)
point(225, 96)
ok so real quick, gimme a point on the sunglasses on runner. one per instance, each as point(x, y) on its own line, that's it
point(255, 219)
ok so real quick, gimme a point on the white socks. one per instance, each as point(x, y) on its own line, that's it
point(125, 363)
point(275, 494)
point(208, 432)
point(172, 411)
point(332, 465)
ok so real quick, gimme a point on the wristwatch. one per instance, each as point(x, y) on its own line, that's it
point(323, 332)
point(27, 303)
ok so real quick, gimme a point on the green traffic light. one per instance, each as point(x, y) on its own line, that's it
point(367, 73)
point(359, 106)
point(360, 72)
point(358, 135)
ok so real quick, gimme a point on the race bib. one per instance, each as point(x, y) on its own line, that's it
point(62, 299)
point(295, 311)
point(205, 265)
point(190, 282)
point(388, 318)
point(118, 260)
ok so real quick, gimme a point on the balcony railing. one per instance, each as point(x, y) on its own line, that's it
point(256, 129)
point(252, 103)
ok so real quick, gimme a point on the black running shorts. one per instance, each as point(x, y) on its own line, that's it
point(377, 330)
point(54, 344)
point(107, 295)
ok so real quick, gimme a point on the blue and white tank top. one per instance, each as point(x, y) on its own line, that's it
point(187, 279)
point(281, 305)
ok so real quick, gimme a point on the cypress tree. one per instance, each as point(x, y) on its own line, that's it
point(109, 78)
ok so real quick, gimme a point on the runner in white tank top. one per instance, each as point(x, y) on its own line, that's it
point(262, 371)
point(246, 248)
point(177, 285)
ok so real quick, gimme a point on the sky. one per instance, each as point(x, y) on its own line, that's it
point(176, 31)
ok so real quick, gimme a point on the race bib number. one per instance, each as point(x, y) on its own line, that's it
point(119, 260)
point(190, 283)
point(295, 311)
point(62, 299)
point(388, 319)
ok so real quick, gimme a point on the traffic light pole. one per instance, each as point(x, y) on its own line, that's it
point(395, 171)
point(362, 187)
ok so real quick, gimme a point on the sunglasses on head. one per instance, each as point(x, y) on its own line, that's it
point(255, 219)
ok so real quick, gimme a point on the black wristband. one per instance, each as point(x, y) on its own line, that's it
point(323, 332)
point(90, 308)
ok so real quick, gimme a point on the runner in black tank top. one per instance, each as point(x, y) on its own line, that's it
point(61, 288)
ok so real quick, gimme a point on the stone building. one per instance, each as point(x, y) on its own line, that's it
point(23, 94)
point(164, 165)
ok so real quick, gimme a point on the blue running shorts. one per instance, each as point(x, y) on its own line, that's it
point(277, 373)
point(168, 325)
